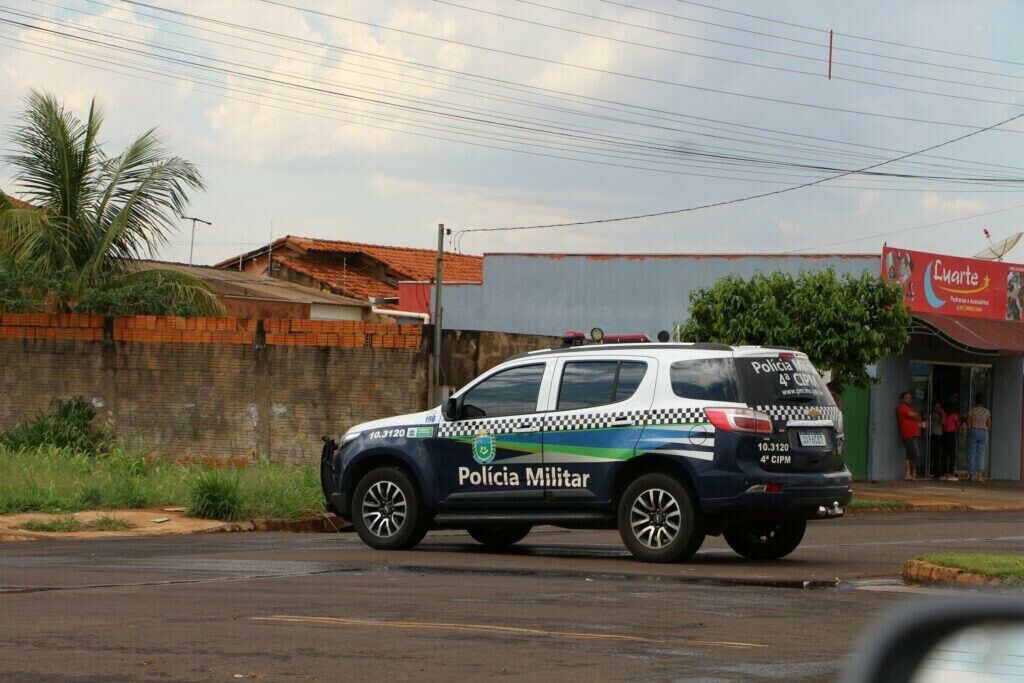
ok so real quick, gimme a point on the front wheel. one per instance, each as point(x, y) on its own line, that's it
point(765, 540)
point(386, 510)
point(658, 520)
point(497, 535)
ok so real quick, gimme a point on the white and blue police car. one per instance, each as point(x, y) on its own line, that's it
point(667, 442)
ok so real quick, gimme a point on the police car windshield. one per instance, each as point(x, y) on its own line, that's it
point(774, 380)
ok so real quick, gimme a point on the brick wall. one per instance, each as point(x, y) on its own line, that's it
point(465, 354)
point(221, 389)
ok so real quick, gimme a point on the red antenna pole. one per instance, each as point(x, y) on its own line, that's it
point(830, 54)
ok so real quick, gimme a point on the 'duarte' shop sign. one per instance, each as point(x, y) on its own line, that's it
point(934, 283)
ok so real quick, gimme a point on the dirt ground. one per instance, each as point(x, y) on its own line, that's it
point(141, 522)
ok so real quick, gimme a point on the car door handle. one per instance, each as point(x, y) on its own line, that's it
point(622, 422)
point(524, 427)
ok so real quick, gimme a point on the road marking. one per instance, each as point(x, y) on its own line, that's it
point(487, 628)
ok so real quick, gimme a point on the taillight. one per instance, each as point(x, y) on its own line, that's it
point(740, 420)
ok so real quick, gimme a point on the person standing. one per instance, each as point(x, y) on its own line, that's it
point(950, 429)
point(937, 462)
point(909, 421)
point(978, 423)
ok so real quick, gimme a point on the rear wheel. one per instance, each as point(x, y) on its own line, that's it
point(658, 520)
point(499, 534)
point(765, 540)
point(387, 511)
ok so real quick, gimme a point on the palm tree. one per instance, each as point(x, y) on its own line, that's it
point(89, 216)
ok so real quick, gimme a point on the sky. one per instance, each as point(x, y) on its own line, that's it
point(444, 112)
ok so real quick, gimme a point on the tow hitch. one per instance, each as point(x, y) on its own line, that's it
point(834, 511)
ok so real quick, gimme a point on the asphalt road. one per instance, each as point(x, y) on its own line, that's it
point(562, 605)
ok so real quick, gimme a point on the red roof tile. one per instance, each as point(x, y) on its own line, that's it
point(351, 280)
point(364, 270)
point(414, 264)
point(18, 204)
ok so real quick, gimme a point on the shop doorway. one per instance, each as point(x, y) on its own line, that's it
point(954, 387)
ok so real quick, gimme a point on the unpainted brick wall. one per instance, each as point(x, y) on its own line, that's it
point(221, 390)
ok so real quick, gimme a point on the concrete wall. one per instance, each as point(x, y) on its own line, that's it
point(465, 354)
point(548, 294)
point(219, 389)
point(886, 454)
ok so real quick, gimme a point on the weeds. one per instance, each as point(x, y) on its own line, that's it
point(62, 524)
point(108, 523)
point(61, 463)
point(67, 523)
point(216, 494)
point(69, 427)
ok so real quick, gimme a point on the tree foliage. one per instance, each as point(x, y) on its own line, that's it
point(89, 215)
point(843, 323)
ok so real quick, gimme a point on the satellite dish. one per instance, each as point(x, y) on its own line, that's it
point(996, 251)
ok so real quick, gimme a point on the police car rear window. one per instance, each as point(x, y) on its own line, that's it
point(774, 380)
point(705, 379)
point(586, 384)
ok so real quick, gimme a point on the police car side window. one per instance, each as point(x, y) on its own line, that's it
point(705, 379)
point(510, 392)
point(586, 384)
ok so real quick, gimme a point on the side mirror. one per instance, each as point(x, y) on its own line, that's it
point(450, 409)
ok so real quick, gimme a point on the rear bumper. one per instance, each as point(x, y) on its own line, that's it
point(797, 499)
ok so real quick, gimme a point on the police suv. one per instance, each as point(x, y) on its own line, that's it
point(666, 442)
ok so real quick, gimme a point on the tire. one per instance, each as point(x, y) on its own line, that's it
point(765, 540)
point(498, 535)
point(387, 510)
point(662, 499)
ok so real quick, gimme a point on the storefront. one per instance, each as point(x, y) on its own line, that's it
point(966, 343)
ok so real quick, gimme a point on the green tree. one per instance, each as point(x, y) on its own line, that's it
point(90, 215)
point(842, 324)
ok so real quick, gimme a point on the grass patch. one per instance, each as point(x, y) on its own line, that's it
point(58, 480)
point(61, 524)
point(1007, 567)
point(108, 523)
point(61, 463)
point(869, 503)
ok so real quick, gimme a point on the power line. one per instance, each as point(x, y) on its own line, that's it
point(818, 60)
point(703, 160)
point(741, 62)
point(837, 48)
point(649, 79)
point(852, 35)
point(602, 103)
point(737, 200)
point(905, 230)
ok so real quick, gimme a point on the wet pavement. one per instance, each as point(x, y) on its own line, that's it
point(571, 605)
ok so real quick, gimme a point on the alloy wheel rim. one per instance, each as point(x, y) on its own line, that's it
point(655, 518)
point(384, 509)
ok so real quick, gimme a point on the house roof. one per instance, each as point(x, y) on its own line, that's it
point(631, 256)
point(363, 270)
point(232, 283)
point(18, 204)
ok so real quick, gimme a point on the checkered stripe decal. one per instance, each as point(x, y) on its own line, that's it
point(798, 412)
point(560, 422)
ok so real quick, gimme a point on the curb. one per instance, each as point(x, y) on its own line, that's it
point(319, 524)
point(940, 507)
point(920, 572)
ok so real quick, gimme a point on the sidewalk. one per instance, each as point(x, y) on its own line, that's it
point(923, 495)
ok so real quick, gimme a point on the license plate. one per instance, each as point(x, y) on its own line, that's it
point(812, 439)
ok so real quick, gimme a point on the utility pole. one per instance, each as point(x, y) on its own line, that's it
point(192, 242)
point(435, 370)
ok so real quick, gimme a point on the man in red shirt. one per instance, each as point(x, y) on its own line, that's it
point(910, 429)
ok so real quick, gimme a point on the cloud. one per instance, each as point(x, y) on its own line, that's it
point(935, 203)
point(788, 228)
point(865, 200)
